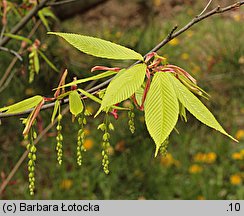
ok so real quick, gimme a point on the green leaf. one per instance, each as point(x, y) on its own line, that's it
point(47, 12)
point(182, 111)
point(196, 107)
point(36, 61)
point(18, 37)
point(44, 20)
point(23, 105)
point(63, 95)
point(96, 77)
point(139, 94)
point(161, 109)
point(55, 110)
point(75, 103)
point(51, 65)
point(91, 96)
point(99, 47)
point(94, 98)
point(124, 84)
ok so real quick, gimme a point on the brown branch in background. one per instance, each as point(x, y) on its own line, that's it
point(169, 37)
point(61, 2)
point(16, 54)
point(13, 62)
point(23, 21)
point(95, 88)
point(196, 20)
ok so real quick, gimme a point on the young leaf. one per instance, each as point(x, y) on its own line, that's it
point(47, 12)
point(124, 84)
point(196, 107)
point(23, 105)
point(36, 61)
point(94, 98)
point(31, 118)
point(18, 37)
point(161, 109)
point(44, 20)
point(91, 96)
point(55, 110)
point(75, 103)
point(182, 111)
point(139, 95)
point(99, 47)
point(51, 65)
point(96, 77)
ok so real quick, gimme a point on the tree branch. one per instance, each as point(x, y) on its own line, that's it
point(61, 2)
point(169, 37)
point(13, 62)
point(196, 20)
point(16, 54)
point(156, 48)
point(23, 21)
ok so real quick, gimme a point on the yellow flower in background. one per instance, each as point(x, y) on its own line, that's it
point(169, 161)
point(199, 157)
point(88, 144)
point(240, 134)
point(200, 197)
point(237, 156)
point(235, 179)
point(174, 42)
point(66, 184)
point(185, 56)
point(193, 169)
point(205, 158)
point(211, 157)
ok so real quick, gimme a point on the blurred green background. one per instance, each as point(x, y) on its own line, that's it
point(201, 163)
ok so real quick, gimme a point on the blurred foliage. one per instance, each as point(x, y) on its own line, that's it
point(201, 164)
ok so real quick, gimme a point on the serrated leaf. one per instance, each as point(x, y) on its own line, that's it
point(96, 77)
point(23, 105)
point(161, 109)
point(196, 107)
point(75, 103)
point(99, 47)
point(55, 110)
point(124, 85)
